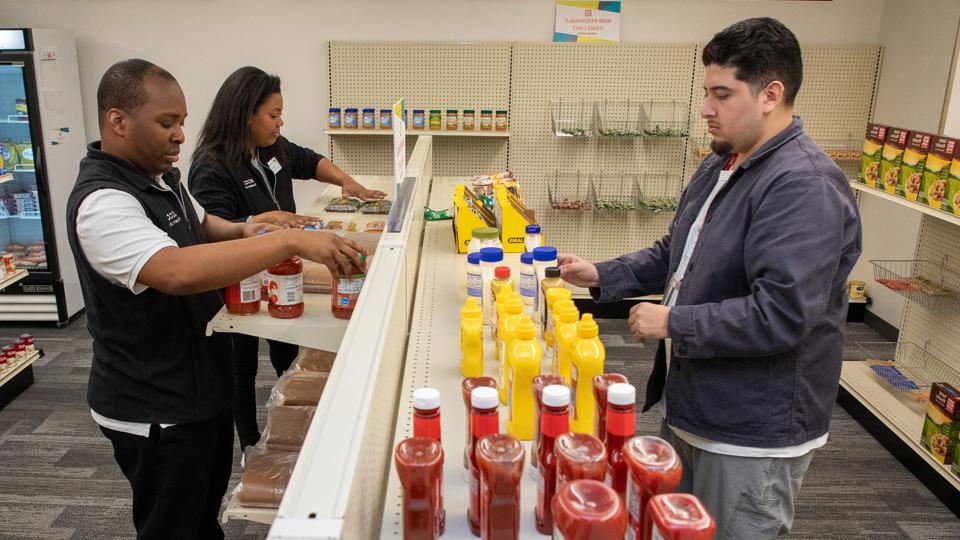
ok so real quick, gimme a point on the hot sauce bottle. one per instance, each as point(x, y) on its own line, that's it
point(600, 385)
point(554, 421)
point(579, 457)
point(621, 425)
point(654, 469)
point(286, 289)
point(588, 510)
point(539, 383)
point(677, 516)
point(500, 458)
point(466, 388)
point(419, 462)
point(426, 423)
point(484, 420)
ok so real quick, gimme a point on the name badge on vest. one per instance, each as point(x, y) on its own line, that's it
point(274, 165)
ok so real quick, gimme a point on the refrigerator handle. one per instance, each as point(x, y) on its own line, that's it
point(39, 165)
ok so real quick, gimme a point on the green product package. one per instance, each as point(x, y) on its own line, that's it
point(437, 215)
point(912, 165)
point(891, 159)
point(933, 187)
point(941, 425)
point(872, 150)
point(951, 202)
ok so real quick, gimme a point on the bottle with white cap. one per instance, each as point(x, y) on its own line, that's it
point(426, 413)
point(621, 425)
point(554, 421)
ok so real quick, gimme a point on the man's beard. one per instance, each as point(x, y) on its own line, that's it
point(721, 148)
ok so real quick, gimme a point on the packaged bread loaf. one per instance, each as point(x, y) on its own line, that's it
point(316, 278)
point(287, 427)
point(298, 388)
point(265, 478)
point(314, 360)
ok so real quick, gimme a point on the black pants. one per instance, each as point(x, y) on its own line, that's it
point(246, 360)
point(178, 475)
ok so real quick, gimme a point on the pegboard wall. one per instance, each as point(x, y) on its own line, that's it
point(835, 102)
point(934, 326)
point(430, 75)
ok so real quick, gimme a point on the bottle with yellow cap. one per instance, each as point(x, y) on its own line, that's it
point(512, 315)
point(471, 339)
point(565, 319)
point(553, 295)
point(586, 362)
point(525, 355)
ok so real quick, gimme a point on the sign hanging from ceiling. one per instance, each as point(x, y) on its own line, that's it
point(587, 22)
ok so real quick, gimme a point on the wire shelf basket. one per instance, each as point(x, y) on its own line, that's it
point(660, 192)
point(618, 118)
point(569, 191)
point(904, 367)
point(925, 282)
point(665, 119)
point(847, 149)
point(615, 192)
point(571, 118)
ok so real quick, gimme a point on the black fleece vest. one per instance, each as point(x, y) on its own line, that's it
point(151, 360)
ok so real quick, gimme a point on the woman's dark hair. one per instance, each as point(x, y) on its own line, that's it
point(762, 50)
point(226, 132)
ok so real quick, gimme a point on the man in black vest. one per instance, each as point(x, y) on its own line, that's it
point(151, 263)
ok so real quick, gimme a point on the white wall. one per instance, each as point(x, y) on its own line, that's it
point(918, 51)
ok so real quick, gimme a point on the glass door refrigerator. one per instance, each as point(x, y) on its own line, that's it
point(42, 140)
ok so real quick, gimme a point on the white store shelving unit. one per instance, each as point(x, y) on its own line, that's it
point(922, 208)
point(13, 370)
point(417, 132)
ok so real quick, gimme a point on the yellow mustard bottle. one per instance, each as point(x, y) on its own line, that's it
point(551, 280)
point(552, 296)
point(566, 317)
point(501, 284)
point(525, 355)
point(587, 362)
point(512, 315)
point(471, 338)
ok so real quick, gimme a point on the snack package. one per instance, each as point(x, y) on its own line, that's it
point(316, 278)
point(340, 225)
point(374, 226)
point(381, 206)
point(298, 388)
point(265, 478)
point(951, 203)
point(892, 158)
point(933, 188)
point(913, 164)
point(941, 427)
point(343, 204)
point(872, 150)
point(287, 427)
point(314, 360)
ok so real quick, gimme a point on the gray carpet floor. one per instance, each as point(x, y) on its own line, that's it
point(58, 478)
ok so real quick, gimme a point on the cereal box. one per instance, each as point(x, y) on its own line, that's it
point(872, 149)
point(891, 158)
point(942, 424)
point(914, 161)
point(951, 203)
point(933, 188)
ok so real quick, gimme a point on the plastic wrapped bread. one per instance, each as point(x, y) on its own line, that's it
point(314, 360)
point(316, 278)
point(265, 478)
point(298, 388)
point(287, 427)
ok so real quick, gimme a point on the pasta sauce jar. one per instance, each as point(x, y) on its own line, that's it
point(243, 298)
point(286, 289)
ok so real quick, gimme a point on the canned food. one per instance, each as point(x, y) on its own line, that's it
point(20, 349)
point(857, 289)
point(28, 342)
point(8, 265)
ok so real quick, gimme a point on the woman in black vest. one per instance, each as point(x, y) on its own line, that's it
point(243, 170)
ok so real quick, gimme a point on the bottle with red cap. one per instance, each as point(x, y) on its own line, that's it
point(654, 469)
point(621, 425)
point(588, 510)
point(426, 423)
point(484, 420)
point(419, 461)
point(677, 516)
point(579, 457)
point(500, 457)
point(600, 385)
point(466, 388)
point(539, 383)
point(28, 342)
point(554, 421)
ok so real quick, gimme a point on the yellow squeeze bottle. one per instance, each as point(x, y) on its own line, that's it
point(553, 296)
point(587, 362)
point(512, 315)
point(471, 339)
point(525, 355)
point(500, 285)
point(565, 319)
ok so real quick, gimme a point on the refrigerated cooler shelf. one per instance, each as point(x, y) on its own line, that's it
point(10, 280)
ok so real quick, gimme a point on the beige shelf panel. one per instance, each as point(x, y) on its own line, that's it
point(12, 372)
point(235, 510)
point(11, 279)
point(939, 214)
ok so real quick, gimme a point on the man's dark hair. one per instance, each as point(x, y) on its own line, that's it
point(226, 132)
point(762, 50)
point(121, 86)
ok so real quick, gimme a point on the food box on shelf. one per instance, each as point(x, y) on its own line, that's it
point(953, 184)
point(872, 150)
point(942, 423)
point(933, 188)
point(912, 165)
point(891, 159)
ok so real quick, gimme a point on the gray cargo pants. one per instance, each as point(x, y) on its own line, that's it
point(749, 498)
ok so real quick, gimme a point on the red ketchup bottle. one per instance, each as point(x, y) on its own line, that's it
point(419, 462)
point(621, 425)
point(484, 420)
point(554, 421)
point(677, 516)
point(654, 469)
point(579, 457)
point(539, 383)
point(243, 298)
point(588, 510)
point(600, 385)
point(286, 289)
point(426, 423)
point(466, 388)
point(500, 458)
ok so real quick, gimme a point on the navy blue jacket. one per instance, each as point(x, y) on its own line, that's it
point(757, 328)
